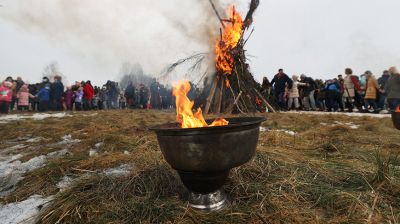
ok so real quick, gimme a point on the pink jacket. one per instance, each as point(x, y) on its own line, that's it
point(5, 94)
point(23, 98)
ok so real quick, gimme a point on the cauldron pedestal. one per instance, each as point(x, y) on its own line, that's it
point(208, 202)
point(203, 157)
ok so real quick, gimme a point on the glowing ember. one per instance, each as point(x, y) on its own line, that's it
point(258, 101)
point(184, 113)
point(398, 110)
point(230, 38)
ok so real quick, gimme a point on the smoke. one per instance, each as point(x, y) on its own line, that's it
point(152, 33)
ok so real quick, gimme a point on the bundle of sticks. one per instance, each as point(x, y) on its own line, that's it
point(236, 92)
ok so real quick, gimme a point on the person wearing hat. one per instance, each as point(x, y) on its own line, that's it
point(393, 88)
point(23, 97)
point(371, 91)
point(5, 97)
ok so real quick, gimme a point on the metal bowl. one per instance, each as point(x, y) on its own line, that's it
point(203, 157)
point(396, 119)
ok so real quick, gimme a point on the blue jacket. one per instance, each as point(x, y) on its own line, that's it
point(44, 94)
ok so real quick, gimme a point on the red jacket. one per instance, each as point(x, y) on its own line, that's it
point(356, 83)
point(5, 94)
point(88, 92)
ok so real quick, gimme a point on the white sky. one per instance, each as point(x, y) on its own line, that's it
point(316, 37)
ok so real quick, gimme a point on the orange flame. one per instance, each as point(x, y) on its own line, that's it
point(184, 113)
point(230, 38)
point(258, 101)
point(398, 110)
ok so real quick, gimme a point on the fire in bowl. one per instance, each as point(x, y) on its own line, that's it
point(396, 118)
point(204, 156)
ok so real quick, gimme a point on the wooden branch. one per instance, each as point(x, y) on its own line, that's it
point(219, 99)
point(216, 12)
point(211, 96)
point(265, 101)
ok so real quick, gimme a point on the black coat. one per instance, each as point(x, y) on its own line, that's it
point(310, 87)
point(280, 82)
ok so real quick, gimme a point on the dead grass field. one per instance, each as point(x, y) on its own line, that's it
point(325, 173)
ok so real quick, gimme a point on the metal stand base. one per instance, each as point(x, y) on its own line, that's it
point(208, 202)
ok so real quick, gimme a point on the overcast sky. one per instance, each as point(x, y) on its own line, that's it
point(90, 39)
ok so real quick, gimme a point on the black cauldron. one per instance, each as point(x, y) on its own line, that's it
point(396, 119)
point(203, 157)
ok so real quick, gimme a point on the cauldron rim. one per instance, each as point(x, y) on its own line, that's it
point(234, 123)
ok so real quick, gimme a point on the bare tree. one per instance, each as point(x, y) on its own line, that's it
point(52, 70)
point(133, 73)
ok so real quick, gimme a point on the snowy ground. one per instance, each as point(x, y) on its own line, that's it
point(13, 170)
point(339, 113)
point(39, 116)
point(22, 212)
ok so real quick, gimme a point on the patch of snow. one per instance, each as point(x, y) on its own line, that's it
point(34, 140)
point(65, 183)
point(338, 113)
point(67, 140)
point(122, 170)
point(98, 145)
point(289, 132)
point(38, 116)
point(93, 152)
point(351, 125)
point(15, 147)
point(23, 211)
point(12, 170)
point(58, 154)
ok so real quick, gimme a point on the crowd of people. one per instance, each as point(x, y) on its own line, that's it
point(54, 96)
point(364, 93)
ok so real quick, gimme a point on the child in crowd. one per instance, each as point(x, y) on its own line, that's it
point(23, 96)
point(44, 98)
point(293, 93)
point(78, 99)
point(122, 101)
point(5, 97)
point(69, 98)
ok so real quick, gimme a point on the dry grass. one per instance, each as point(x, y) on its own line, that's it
point(324, 174)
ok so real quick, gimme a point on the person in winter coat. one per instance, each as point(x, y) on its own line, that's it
point(5, 97)
point(280, 82)
point(144, 96)
point(371, 91)
point(57, 91)
point(23, 97)
point(293, 93)
point(44, 98)
point(309, 92)
point(88, 94)
point(14, 92)
point(381, 93)
point(78, 99)
point(393, 88)
point(351, 88)
point(69, 98)
point(332, 90)
point(130, 95)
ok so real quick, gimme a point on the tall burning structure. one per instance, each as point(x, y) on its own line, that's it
point(234, 88)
